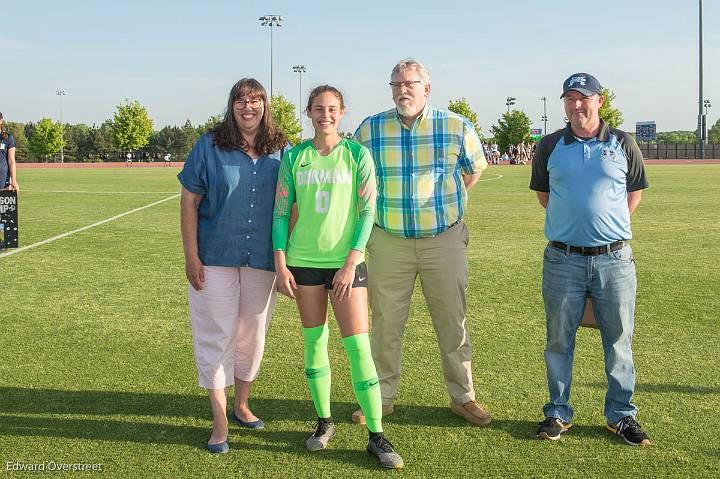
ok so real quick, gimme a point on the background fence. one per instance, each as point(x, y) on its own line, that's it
point(678, 151)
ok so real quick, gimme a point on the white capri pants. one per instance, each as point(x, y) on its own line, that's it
point(229, 318)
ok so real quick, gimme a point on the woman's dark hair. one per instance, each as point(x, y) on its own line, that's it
point(324, 89)
point(226, 134)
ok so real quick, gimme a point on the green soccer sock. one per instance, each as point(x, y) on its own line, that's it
point(364, 379)
point(317, 367)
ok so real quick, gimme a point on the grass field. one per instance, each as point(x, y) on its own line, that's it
point(96, 362)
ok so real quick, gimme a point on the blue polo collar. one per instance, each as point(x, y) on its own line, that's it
point(603, 134)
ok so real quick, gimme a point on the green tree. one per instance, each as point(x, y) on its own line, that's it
point(189, 135)
point(46, 139)
point(131, 126)
point(512, 128)
point(714, 133)
point(462, 108)
point(17, 130)
point(284, 113)
point(611, 115)
point(29, 129)
point(78, 144)
point(102, 143)
point(178, 141)
point(673, 137)
point(211, 122)
point(162, 142)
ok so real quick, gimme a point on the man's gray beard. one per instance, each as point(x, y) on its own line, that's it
point(405, 110)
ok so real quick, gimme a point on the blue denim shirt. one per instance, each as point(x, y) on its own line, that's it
point(235, 213)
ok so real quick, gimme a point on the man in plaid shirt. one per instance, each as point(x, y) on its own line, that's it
point(425, 160)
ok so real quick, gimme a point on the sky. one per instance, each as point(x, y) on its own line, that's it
point(180, 58)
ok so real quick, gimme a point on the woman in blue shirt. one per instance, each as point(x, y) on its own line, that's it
point(228, 187)
point(8, 177)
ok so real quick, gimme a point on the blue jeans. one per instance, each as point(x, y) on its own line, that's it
point(566, 280)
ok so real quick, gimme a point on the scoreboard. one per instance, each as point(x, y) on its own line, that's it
point(645, 131)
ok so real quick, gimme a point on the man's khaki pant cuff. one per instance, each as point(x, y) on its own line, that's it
point(462, 399)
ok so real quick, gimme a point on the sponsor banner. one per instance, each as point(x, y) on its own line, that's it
point(8, 219)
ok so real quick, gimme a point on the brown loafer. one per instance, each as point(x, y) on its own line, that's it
point(359, 418)
point(472, 412)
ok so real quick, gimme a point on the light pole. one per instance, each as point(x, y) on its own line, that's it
point(701, 118)
point(300, 69)
point(544, 117)
point(61, 94)
point(509, 101)
point(271, 21)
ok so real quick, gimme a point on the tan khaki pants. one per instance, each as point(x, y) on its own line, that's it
point(441, 263)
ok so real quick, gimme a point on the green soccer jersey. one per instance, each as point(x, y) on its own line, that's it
point(335, 196)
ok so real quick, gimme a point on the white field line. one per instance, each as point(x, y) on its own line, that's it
point(107, 220)
point(490, 179)
point(103, 192)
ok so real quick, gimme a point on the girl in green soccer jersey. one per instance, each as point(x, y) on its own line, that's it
point(332, 181)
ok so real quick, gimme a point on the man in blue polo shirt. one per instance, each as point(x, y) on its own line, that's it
point(589, 177)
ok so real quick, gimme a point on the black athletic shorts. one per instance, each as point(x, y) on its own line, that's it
point(316, 276)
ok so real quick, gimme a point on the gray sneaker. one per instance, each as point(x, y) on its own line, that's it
point(381, 448)
point(324, 431)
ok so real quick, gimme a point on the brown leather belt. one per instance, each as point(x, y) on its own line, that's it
point(589, 250)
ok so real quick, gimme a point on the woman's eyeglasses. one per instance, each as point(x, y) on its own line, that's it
point(252, 103)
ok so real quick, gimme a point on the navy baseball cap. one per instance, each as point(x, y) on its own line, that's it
point(585, 83)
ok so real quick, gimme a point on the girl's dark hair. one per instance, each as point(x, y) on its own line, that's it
point(226, 134)
point(324, 89)
point(3, 133)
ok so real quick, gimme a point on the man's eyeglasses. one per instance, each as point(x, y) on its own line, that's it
point(407, 84)
point(253, 103)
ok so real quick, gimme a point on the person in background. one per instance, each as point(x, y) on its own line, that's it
point(8, 169)
point(494, 154)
